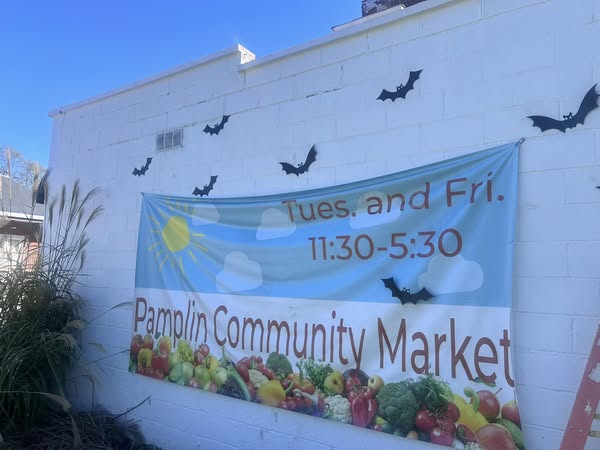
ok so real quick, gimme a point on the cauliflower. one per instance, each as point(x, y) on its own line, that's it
point(257, 379)
point(338, 408)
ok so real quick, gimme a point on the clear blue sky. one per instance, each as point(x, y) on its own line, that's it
point(57, 52)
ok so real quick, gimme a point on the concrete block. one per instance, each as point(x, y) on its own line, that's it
point(505, 60)
point(563, 151)
point(277, 91)
point(319, 80)
point(449, 16)
point(555, 416)
point(564, 83)
point(546, 188)
point(559, 223)
point(393, 34)
point(541, 259)
point(418, 107)
point(582, 259)
point(580, 185)
point(378, 63)
point(298, 63)
point(548, 294)
point(549, 370)
point(367, 120)
point(584, 333)
point(453, 133)
point(345, 49)
point(419, 53)
point(552, 333)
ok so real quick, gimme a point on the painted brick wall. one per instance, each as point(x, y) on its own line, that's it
point(487, 64)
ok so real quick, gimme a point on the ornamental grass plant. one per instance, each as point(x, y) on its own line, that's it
point(40, 313)
point(41, 321)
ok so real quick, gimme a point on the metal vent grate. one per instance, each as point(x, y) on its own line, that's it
point(169, 139)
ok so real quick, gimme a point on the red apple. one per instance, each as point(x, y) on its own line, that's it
point(489, 406)
point(199, 357)
point(510, 411)
point(204, 349)
point(148, 342)
point(136, 344)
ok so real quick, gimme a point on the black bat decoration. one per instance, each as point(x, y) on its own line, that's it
point(404, 294)
point(401, 90)
point(302, 167)
point(142, 170)
point(207, 187)
point(218, 126)
point(589, 103)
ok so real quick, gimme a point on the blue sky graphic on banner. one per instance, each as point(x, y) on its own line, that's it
point(444, 227)
point(404, 277)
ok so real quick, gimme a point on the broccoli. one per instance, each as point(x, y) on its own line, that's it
point(279, 365)
point(398, 405)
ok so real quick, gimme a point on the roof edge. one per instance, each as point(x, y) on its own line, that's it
point(245, 55)
point(351, 28)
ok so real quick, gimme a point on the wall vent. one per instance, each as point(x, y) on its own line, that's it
point(169, 139)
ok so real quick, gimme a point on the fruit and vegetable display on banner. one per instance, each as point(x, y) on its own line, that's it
point(384, 303)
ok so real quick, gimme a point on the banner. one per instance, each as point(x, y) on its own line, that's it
point(383, 303)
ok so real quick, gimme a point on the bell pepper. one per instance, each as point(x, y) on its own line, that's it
point(160, 362)
point(271, 393)
point(364, 409)
point(469, 414)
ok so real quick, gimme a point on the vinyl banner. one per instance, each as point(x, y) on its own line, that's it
point(383, 303)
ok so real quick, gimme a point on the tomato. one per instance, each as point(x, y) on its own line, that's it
point(441, 437)
point(446, 424)
point(424, 421)
point(453, 412)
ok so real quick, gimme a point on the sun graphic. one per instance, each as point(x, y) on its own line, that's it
point(175, 239)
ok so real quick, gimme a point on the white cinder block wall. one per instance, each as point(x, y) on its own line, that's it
point(487, 65)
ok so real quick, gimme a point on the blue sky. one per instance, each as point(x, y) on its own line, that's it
point(58, 52)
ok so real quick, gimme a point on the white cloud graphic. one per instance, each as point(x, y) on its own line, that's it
point(450, 275)
point(205, 214)
point(274, 224)
point(361, 218)
point(239, 274)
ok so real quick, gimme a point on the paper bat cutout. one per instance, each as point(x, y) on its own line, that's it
point(207, 187)
point(142, 170)
point(302, 167)
point(401, 90)
point(404, 294)
point(589, 103)
point(218, 126)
